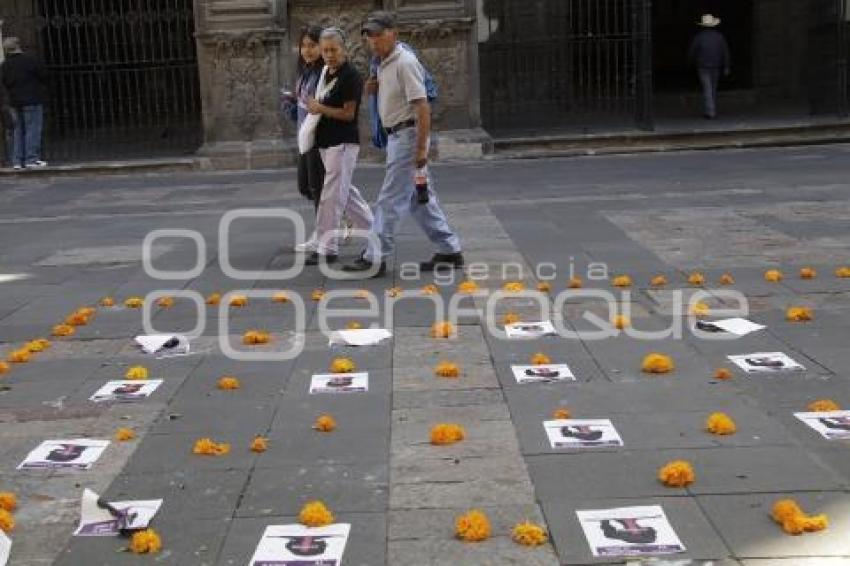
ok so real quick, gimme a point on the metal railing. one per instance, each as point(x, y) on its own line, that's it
point(123, 75)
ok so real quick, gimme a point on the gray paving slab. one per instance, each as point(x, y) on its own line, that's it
point(187, 495)
point(217, 412)
point(197, 543)
point(744, 522)
point(366, 543)
point(148, 455)
point(348, 488)
point(446, 398)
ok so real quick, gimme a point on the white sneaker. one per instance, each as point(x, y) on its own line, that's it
point(17, 167)
point(307, 247)
point(37, 164)
point(346, 229)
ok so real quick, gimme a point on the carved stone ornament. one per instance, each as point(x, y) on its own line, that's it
point(241, 68)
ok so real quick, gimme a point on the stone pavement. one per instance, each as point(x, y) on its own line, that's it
point(69, 242)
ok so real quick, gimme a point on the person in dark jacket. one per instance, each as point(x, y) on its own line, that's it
point(710, 53)
point(25, 80)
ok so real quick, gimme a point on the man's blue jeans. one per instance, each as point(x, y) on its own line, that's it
point(398, 198)
point(709, 78)
point(27, 137)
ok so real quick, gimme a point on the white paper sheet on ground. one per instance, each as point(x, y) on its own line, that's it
point(5, 548)
point(297, 545)
point(361, 337)
point(765, 362)
point(530, 329)
point(543, 374)
point(78, 453)
point(163, 344)
point(736, 326)
point(126, 390)
point(629, 531)
point(582, 433)
point(340, 383)
point(832, 425)
point(98, 522)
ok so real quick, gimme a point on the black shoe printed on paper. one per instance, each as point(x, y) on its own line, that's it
point(836, 423)
point(628, 531)
point(582, 432)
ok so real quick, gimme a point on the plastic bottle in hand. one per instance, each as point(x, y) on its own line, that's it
point(421, 181)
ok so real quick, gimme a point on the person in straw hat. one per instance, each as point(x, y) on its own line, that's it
point(709, 52)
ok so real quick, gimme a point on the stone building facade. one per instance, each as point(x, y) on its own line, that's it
point(201, 77)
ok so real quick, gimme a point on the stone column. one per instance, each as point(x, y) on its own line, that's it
point(242, 48)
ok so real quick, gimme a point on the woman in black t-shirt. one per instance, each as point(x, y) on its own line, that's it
point(338, 139)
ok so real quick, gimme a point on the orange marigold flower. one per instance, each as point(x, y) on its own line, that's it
point(165, 302)
point(823, 406)
point(446, 433)
point(773, 275)
point(343, 365)
point(473, 526)
point(678, 473)
point(513, 287)
point(238, 301)
point(145, 542)
point(442, 329)
point(808, 273)
point(394, 291)
point(228, 383)
point(658, 281)
point(353, 325)
point(77, 319)
point(700, 309)
point(259, 444)
point(136, 372)
point(317, 294)
point(510, 318)
point(8, 501)
point(540, 359)
point(63, 330)
point(575, 283)
point(843, 272)
point(124, 434)
point(727, 279)
point(447, 369)
point(315, 514)
point(621, 321)
point(214, 299)
point(430, 289)
point(657, 363)
point(529, 534)
point(254, 337)
point(207, 447)
point(280, 297)
point(794, 521)
point(324, 423)
point(544, 287)
point(7, 521)
point(134, 303)
point(799, 314)
point(20, 356)
point(38, 345)
point(622, 281)
point(696, 278)
point(720, 424)
point(562, 413)
point(467, 287)
point(4, 367)
point(722, 374)
point(107, 302)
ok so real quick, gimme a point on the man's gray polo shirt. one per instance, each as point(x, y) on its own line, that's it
point(400, 82)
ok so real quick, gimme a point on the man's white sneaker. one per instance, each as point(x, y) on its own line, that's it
point(37, 164)
point(17, 167)
point(307, 247)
